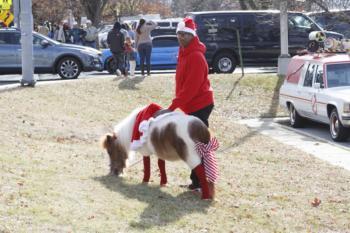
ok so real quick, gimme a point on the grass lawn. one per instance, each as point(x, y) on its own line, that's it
point(54, 175)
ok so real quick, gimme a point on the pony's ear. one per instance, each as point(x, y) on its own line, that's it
point(107, 140)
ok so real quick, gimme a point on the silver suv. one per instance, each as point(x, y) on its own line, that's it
point(50, 56)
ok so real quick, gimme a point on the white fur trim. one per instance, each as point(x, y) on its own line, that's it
point(181, 27)
point(143, 127)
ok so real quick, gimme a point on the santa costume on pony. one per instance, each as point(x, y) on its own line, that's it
point(206, 171)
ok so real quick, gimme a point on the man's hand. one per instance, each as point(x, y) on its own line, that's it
point(161, 112)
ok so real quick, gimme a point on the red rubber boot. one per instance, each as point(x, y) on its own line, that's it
point(146, 169)
point(163, 178)
point(199, 170)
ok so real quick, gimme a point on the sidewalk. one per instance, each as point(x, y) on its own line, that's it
point(320, 148)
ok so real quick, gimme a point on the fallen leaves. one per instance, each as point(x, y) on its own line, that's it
point(316, 202)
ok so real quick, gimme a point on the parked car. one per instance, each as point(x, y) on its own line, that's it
point(259, 36)
point(317, 87)
point(50, 56)
point(164, 54)
point(102, 35)
point(165, 27)
point(338, 21)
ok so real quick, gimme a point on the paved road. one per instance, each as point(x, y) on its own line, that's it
point(321, 131)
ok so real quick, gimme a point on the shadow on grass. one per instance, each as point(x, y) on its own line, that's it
point(162, 207)
point(128, 83)
point(272, 112)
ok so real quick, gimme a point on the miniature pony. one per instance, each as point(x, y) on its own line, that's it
point(171, 136)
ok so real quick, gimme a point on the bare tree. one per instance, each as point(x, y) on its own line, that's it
point(93, 9)
point(118, 8)
point(156, 7)
point(54, 11)
point(302, 5)
point(180, 7)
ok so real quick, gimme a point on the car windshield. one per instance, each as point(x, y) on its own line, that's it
point(338, 75)
point(300, 21)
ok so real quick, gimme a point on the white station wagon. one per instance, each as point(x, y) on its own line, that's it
point(317, 87)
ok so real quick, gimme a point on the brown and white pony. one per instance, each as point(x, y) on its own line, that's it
point(172, 136)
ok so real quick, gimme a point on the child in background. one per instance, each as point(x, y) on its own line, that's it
point(130, 54)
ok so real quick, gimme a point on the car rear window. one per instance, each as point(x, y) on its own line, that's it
point(164, 24)
point(10, 38)
point(338, 75)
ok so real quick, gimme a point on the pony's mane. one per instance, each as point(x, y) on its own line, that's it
point(124, 129)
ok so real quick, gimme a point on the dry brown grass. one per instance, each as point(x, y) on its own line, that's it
point(54, 174)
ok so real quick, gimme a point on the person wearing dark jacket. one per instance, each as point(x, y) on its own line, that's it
point(193, 93)
point(115, 41)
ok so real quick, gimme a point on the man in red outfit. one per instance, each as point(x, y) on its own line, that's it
point(193, 93)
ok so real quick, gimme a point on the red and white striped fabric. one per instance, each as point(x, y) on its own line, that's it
point(209, 160)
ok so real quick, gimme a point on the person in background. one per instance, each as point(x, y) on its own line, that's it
point(77, 34)
point(143, 43)
point(130, 53)
point(43, 29)
point(193, 92)
point(59, 34)
point(131, 33)
point(124, 30)
point(66, 31)
point(35, 27)
point(91, 35)
point(52, 31)
point(115, 41)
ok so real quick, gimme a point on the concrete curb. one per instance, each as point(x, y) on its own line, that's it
point(9, 87)
point(18, 86)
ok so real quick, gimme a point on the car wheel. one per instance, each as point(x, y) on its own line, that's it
point(69, 68)
point(338, 131)
point(111, 66)
point(224, 63)
point(296, 121)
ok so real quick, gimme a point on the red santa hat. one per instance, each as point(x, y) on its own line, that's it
point(144, 115)
point(187, 25)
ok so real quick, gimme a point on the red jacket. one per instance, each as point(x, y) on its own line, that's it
point(193, 91)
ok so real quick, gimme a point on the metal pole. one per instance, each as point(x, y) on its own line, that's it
point(16, 13)
point(240, 50)
point(284, 58)
point(27, 43)
point(284, 28)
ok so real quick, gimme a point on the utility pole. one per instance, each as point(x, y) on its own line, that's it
point(284, 58)
point(16, 8)
point(27, 43)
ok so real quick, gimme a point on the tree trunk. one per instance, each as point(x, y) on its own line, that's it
point(243, 5)
point(322, 4)
point(93, 9)
point(252, 4)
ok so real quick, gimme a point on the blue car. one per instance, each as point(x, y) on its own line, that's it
point(50, 56)
point(164, 54)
